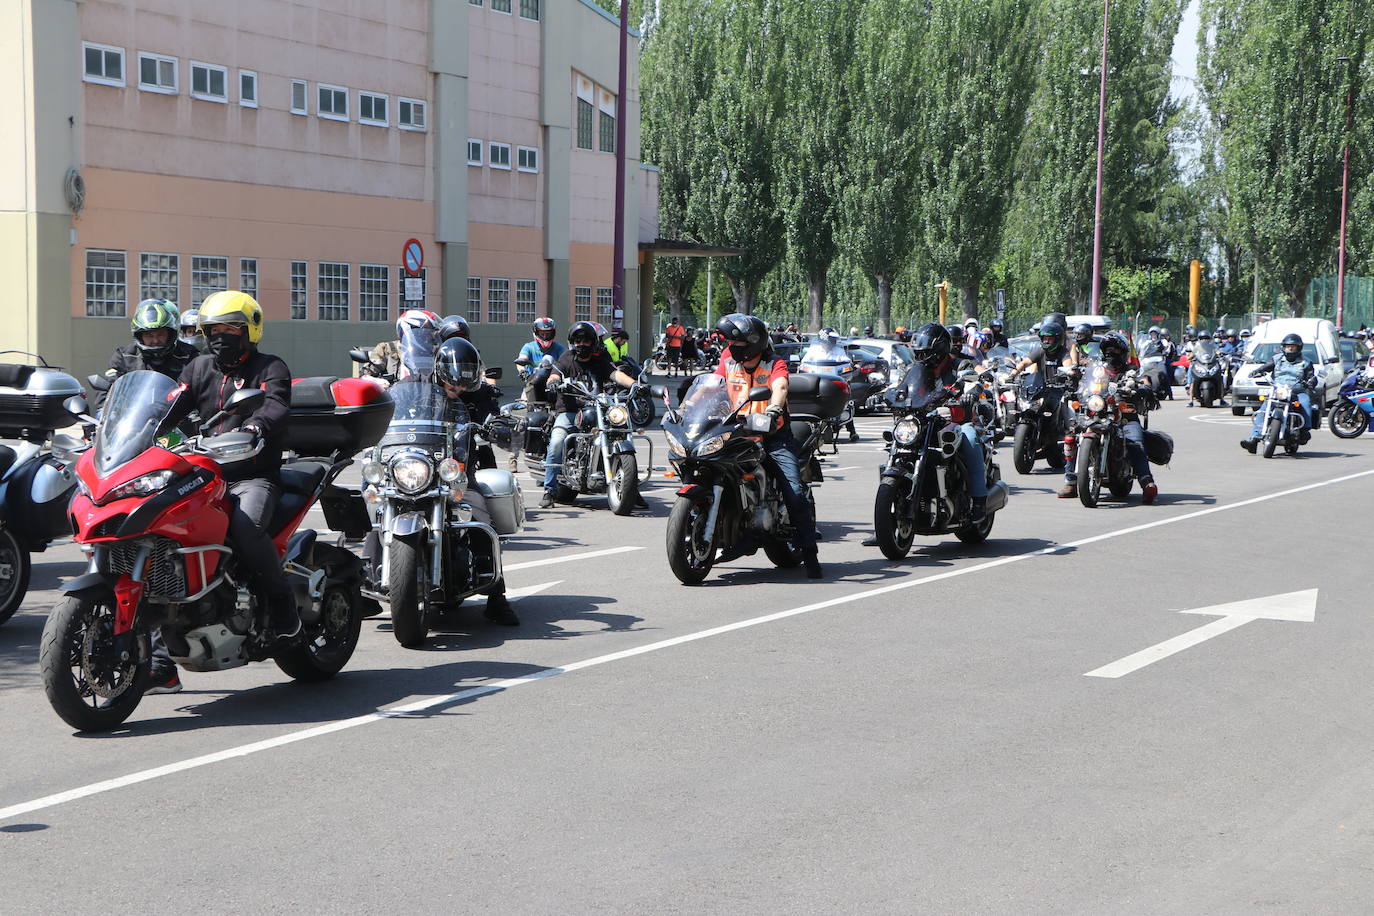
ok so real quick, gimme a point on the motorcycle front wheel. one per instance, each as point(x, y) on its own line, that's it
point(408, 620)
point(691, 548)
point(1089, 471)
point(15, 567)
point(889, 508)
point(1022, 455)
point(1347, 421)
point(1272, 433)
point(329, 644)
point(622, 492)
point(89, 685)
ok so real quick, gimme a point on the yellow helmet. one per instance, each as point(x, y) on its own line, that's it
point(230, 306)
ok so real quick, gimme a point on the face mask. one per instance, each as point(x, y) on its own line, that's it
point(582, 351)
point(229, 349)
point(740, 353)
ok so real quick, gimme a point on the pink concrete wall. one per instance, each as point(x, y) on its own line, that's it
point(511, 252)
point(503, 106)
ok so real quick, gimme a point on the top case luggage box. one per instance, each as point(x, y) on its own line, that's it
point(31, 401)
point(331, 415)
point(818, 395)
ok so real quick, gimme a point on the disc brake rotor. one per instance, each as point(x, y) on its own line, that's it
point(106, 684)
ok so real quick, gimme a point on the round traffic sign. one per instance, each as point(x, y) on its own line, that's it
point(413, 257)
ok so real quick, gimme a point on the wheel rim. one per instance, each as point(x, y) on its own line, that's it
point(1347, 418)
point(334, 636)
point(695, 538)
point(904, 530)
point(89, 652)
point(10, 562)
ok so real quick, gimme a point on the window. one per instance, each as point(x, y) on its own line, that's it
point(475, 2)
point(374, 282)
point(500, 6)
point(248, 89)
point(526, 295)
point(529, 9)
point(299, 93)
point(209, 82)
point(607, 132)
point(584, 124)
point(474, 152)
point(527, 159)
point(333, 291)
point(208, 275)
point(372, 109)
point(605, 304)
point(248, 276)
point(402, 303)
point(582, 303)
point(157, 73)
point(159, 276)
point(498, 301)
point(106, 294)
point(333, 102)
point(300, 294)
point(500, 156)
point(474, 299)
point(104, 65)
point(410, 114)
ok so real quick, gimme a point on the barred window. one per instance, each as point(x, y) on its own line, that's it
point(374, 284)
point(584, 124)
point(208, 275)
point(607, 133)
point(300, 292)
point(402, 303)
point(526, 296)
point(159, 276)
point(248, 276)
point(582, 303)
point(332, 291)
point(106, 293)
point(498, 301)
point(474, 299)
point(605, 303)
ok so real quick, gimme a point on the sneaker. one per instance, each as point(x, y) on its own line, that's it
point(500, 612)
point(547, 501)
point(1190, 402)
point(1304, 437)
point(1068, 491)
point(286, 620)
point(1148, 491)
point(1248, 445)
point(869, 541)
point(978, 510)
point(812, 564)
point(170, 685)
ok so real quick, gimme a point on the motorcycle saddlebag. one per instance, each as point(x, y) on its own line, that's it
point(336, 414)
point(824, 396)
point(1159, 447)
point(31, 401)
point(504, 501)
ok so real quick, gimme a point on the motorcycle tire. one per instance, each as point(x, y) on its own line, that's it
point(1237, 411)
point(409, 623)
point(13, 587)
point(688, 561)
point(1089, 473)
point(1347, 421)
point(782, 554)
point(1055, 457)
point(1022, 454)
point(566, 495)
point(1120, 489)
point(894, 539)
point(1272, 433)
point(976, 534)
point(63, 659)
point(327, 645)
point(622, 491)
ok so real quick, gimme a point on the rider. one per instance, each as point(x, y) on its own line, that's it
point(156, 345)
point(999, 333)
point(933, 346)
point(1299, 374)
point(749, 361)
point(585, 361)
point(190, 330)
point(1046, 360)
point(1199, 337)
point(1116, 351)
point(533, 352)
point(480, 400)
point(827, 356)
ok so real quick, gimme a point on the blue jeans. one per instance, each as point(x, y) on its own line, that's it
point(1304, 404)
point(783, 461)
point(558, 441)
point(971, 457)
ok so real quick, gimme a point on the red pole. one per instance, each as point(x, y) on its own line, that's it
point(618, 267)
point(1345, 191)
point(1101, 148)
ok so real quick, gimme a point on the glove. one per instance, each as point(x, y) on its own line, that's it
point(774, 411)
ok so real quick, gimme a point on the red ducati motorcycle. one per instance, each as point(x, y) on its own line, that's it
point(152, 515)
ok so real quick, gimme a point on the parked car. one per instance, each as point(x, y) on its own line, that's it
point(1321, 346)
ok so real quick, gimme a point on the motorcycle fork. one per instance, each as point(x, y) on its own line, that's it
point(436, 533)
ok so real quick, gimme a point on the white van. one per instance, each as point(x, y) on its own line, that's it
point(1320, 345)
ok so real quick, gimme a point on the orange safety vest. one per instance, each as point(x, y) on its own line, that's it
point(739, 381)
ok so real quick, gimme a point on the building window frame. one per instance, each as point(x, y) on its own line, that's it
point(248, 78)
point(158, 86)
point(582, 303)
point(248, 270)
point(156, 278)
point(474, 300)
point(498, 155)
point(606, 132)
point(331, 114)
point(102, 78)
point(107, 284)
point(498, 300)
point(501, 6)
point(374, 292)
point(205, 270)
point(526, 301)
point(605, 304)
point(474, 2)
point(474, 151)
point(300, 290)
point(527, 159)
point(585, 112)
point(529, 9)
point(371, 99)
point(304, 107)
point(331, 290)
point(418, 118)
point(208, 94)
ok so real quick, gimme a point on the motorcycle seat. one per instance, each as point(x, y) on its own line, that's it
point(298, 481)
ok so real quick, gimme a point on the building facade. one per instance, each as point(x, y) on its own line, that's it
point(290, 148)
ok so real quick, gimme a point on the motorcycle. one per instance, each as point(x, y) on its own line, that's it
point(152, 517)
point(36, 480)
point(1097, 446)
point(1282, 420)
point(368, 368)
point(729, 500)
point(1039, 430)
point(1209, 374)
point(1355, 405)
point(1154, 368)
point(922, 488)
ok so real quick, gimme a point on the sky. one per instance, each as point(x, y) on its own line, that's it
point(1185, 53)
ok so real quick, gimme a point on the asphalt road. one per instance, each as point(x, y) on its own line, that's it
point(911, 737)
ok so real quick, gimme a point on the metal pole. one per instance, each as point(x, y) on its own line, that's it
point(621, 109)
point(1101, 148)
point(709, 265)
point(1345, 191)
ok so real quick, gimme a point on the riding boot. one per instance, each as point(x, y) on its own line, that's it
point(812, 563)
point(979, 509)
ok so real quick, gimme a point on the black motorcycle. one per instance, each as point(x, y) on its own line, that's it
point(1099, 443)
point(1209, 374)
point(923, 489)
point(1039, 425)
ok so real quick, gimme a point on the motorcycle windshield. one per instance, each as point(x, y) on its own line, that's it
point(417, 351)
point(920, 386)
point(134, 412)
point(420, 417)
point(1096, 381)
point(1204, 351)
point(997, 355)
point(707, 404)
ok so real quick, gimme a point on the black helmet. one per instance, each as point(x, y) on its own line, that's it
point(457, 363)
point(1058, 318)
point(1083, 332)
point(956, 335)
point(1204, 335)
point(1115, 348)
point(453, 326)
point(931, 344)
point(583, 339)
point(868, 331)
point(1051, 336)
point(747, 336)
point(996, 325)
point(1292, 340)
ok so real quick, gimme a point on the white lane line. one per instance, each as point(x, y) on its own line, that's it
point(511, 567)
point(852, 467)
point(49, 801)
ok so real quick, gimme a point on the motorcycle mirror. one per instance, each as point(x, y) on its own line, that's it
point(494, 372)
point(245, 400)
point(359, 356)
point(759, 393)
point(546, 361)
point(98, 382)
point(76, 406)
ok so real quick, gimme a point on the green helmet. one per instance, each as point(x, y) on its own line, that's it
point(156, 315)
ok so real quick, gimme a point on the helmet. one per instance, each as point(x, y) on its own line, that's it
point(230, 306)
point(601, 332)
point(189, 319)
point(996, 325)
point(415, 319)
point(1058, 318)
point(971, 323)
point(868, 332)
point(1166, 334)
point(747, 336)
point(1114, 348)
point(457, 363)
point(1155, 330)
point(1292, 340)
point(1051, 335)
point(453, 326)
point(155, 315)
point(584, 339)
point(1245, 333)
point(829, 336)
point(1083, 333)
point(545, 332)
point(1204, 335)
point(956, 335)
point(932, 344)
point(1190, 332)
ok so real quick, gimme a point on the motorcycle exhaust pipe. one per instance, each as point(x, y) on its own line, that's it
point(949, 441)
point(998, 494)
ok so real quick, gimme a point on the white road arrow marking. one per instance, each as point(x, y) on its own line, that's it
point(1300, 607)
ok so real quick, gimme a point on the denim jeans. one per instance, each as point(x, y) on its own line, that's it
point(1305, 404)
point(558, 441)
point(971, 456)
point(782, 460)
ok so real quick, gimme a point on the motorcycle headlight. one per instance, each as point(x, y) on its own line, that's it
point(618, 415)
point(711, 445)
point(1283, 392)
point(1096, 404)
point(1023, 403)
point(411, 473)
point(877, 378)
point(675, 446)
point(905, 431)
point(373, 472)
point(142, 486)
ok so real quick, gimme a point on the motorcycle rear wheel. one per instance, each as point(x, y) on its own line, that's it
point(1271, 436)
point(889, 506)
point(691, 552)
point(1347, 421)
point(78, 624)
point(976, 534)
point(782, 554)
point(408, 619)
point(1022, 457)
point(622, 491)
point(14, 586)
point(330, 642)
point(1089, 473)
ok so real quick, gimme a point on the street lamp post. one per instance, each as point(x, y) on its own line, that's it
point(1101, 147)
point(621, 109)
point(1345, 192)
